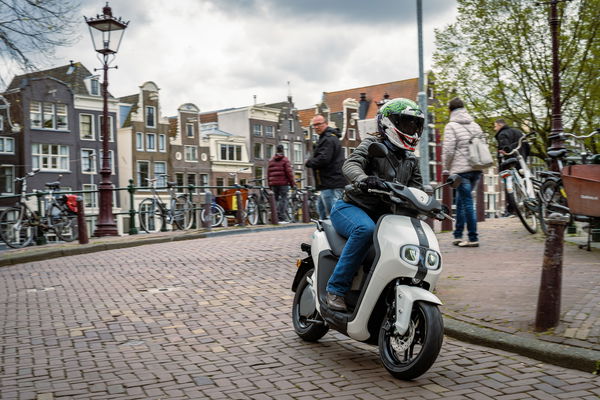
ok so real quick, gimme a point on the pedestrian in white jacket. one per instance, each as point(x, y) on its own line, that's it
point(455, 153)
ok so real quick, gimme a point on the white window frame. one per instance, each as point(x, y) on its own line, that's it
point(92, 127)
point(58, 114)
point(142, 182)
point(260, 152)
point(189, 128)
point(257, 132)
point(38, 158)
point(92, 162)
point(150, 140)
point(286, 148)
point(35, 109)
point(162, 142)
point(269, 131)
point(351, 134)
point(298, 153)
point(269, 150)
point(95, 87)
point(1, 122)
point(291, 125)
point(153, 116)
point(139, 141)
point(10, 181)
point(3, 145)
point(90, 199)
point(190, 153)
point(161, 176)
point(235, 152)
point(111, 159)
point(111, 131)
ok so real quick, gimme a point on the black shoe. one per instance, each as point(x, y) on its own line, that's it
point(335, 302)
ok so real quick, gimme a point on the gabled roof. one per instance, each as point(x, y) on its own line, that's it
point(408, 88)
point(132, 107)
point(72, 74)
point(306, 115)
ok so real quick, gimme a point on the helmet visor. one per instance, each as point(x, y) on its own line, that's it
point(411, 125)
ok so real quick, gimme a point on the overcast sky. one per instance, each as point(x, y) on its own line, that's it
point(219, 53)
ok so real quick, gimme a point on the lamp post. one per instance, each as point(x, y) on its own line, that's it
point(424, 144)
point(105, 29)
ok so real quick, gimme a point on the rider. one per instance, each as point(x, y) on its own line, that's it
point(399, 128)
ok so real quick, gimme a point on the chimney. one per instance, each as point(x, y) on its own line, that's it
point(363, 106)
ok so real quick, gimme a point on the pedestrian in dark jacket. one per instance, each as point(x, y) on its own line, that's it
point(400, 124)
point(280, 178)
point(326, 162)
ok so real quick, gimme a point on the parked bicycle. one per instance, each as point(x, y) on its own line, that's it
point(520, 187)
point(20, 224)
point(217, 213)
point(153, 213)
point(296, 201)
point(258, 206)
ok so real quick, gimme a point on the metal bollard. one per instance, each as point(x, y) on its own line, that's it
point(480, 200)
point(82, 234)
point(207, 223)
point(131, 189)
point(447, 200)
point(240, 209)
point(548, 306)
point(273, 204)
point(305, 209)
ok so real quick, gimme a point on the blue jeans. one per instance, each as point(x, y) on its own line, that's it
point(326, 200)
point(357, 226)
point(465, 212)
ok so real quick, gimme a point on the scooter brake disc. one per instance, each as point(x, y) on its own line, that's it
point(401, 343)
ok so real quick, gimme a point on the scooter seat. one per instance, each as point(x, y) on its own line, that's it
point(337, 243)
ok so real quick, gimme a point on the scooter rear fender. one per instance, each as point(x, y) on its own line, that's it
point(406, 296)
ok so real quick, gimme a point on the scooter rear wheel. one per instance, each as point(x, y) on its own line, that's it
point(412, 354)
point(307, 321)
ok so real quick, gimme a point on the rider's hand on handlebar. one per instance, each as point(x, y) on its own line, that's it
point(373, 182)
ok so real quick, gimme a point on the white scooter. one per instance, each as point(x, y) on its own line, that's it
point(391, 303)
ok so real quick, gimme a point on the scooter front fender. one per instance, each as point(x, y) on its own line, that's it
point(405, 298)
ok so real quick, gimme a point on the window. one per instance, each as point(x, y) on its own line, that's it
point(7, 145)
point(191, 153)
point(88, 161)
point(231, 152)
point(191, 179)
point(203, 179)
point(179, 181)
point(258, 150)
point(189, 128)
point(48, 116)
point(110, 160)
point(291, 125)
point(286, 149)
point(89, 198)
point(270, 150)
point(150, 142)
point(160, 173)
point(257, 129)
point(298, 159)
point(142, 173)
point(86, 127)
point(269, 131)
point(258, 173)
point(1, 122)
point(345, 152)
point(111, 132)
point(62, 122)
point(351, 133)
point(50, 157)
point(95, 87)
point(7, 179)
point(220, 182)
point(150, 117)
point(35, 114)
point(139, 141)
point(162, 142)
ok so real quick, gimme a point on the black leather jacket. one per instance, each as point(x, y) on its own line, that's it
point(327, 160)
point(402, 167)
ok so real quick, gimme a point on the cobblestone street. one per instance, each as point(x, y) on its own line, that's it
point(210, 318)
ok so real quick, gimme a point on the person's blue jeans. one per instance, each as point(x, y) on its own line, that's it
point(465, 212)
point(326, 200)
point(357, 226)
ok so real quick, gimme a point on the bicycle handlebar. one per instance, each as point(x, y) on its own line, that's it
point(516, 149)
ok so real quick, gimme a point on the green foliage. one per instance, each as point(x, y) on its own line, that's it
point(497, 57)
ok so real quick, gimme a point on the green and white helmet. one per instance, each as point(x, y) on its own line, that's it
point(401, 120)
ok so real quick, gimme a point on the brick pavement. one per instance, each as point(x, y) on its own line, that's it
point(210, 318)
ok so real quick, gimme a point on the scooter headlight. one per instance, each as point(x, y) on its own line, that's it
point(410, 254)
point(432, 260)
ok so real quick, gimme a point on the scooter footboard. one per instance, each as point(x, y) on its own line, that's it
point(405, 298)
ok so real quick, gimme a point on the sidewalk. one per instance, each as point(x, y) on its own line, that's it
point(490, 293)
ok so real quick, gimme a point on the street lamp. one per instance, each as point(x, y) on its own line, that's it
point(105, 29)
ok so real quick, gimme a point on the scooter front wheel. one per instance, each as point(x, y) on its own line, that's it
point(307, 321)
point(412, 354)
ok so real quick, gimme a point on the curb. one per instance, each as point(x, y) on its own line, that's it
point(46, 254)
point(586, 360)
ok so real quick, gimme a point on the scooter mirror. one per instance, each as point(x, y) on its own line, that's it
point(454, 180)
point(378, 150)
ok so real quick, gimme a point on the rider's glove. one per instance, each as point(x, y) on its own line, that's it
point(373, 182)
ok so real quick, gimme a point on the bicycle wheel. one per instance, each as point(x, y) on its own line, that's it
point(63, 223)
point(251, 211)
point(313, 207)
point(183, 212)
point(517, 199)
point(16, 228)
point(217, 215)
point(264, 213)
point(551, 192)
point(291, 210)
point(150, 216)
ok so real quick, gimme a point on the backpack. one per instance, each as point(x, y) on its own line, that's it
point(479, 156)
